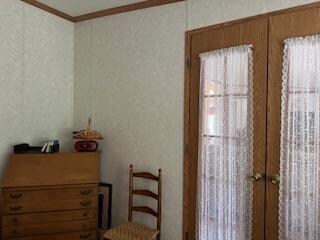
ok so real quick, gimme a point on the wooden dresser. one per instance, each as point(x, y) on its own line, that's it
point(50, 197)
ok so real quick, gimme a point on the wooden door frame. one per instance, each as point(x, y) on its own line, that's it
point(187, 89)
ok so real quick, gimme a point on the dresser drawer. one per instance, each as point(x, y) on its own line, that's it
point(49, 193)
point(47, 206)
point(49, 217)
point(33, 170)
point(49, 228)
point(88, 235)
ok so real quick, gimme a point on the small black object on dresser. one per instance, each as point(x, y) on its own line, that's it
point(26, 148)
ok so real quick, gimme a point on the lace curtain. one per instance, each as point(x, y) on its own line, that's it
point(224, 198)
point(299, 209)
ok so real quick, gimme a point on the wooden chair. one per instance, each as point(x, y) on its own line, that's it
point(133, 231)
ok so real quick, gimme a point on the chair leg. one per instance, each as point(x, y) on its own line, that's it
point(100, 237)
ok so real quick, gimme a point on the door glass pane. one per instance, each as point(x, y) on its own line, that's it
point(299, 203)
point(224, 200)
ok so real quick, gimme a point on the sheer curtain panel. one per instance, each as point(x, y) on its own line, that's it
point(224, 197)
point(299, 203)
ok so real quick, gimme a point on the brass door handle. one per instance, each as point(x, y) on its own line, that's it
point(85, 191)
point(15, 195)
point(256, 177)
point(275, 179)
point(85, 235)
point(85, 203)
point(15, 208)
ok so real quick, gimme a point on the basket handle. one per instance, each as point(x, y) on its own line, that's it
point(89, 124)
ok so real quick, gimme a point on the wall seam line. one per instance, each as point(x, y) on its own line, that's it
point(92, 75)
point(188, 15)
point(23, 71)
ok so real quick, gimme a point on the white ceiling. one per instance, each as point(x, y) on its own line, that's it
point(80, 7)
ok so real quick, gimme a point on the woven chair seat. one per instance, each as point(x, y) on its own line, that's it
point(130, 231)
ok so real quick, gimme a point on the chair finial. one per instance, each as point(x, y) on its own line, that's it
point(160, 170)
point(131, 166)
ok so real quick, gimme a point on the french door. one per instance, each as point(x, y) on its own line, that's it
point(285, 82)
point(296, 177)
point(253, 34)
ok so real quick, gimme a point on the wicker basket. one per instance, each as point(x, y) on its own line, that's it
point(88, 134)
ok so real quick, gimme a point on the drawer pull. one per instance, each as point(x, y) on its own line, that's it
point(15, 208)
point(14, 220)
point(85, 214)
point(85, 203)
point(85, 235)
point(85, 191)
point(15, 195)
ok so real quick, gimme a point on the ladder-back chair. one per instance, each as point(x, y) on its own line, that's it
point(130, 230)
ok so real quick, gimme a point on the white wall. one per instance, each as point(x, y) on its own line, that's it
point(36, 77)
point(203, 13)
point(129, 76)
